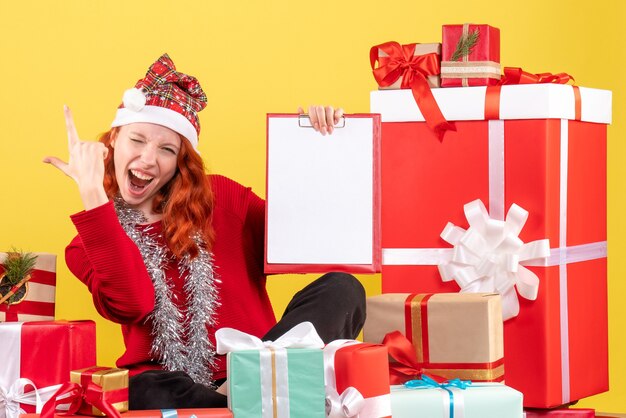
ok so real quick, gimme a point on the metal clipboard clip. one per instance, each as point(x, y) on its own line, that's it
point(305, 122)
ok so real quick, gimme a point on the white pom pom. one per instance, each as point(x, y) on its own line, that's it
point(134, 99)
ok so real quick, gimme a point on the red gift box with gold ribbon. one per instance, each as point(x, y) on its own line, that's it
point(453, 335)
point(470, 55)
point(543, 148)
point(40, 355)
point(357, 380)
point(38, 300)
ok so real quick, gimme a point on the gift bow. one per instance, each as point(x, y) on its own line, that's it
point(515, 75)
point(348, 404)
point(406, 365)
point(302, 335)
point(488, 257)
point(401, 62)
point(73, 395)
point(11, 398)
point(427, 383)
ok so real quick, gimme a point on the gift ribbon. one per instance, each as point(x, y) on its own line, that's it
point(514, 75)
point(273, 361)
point(350, 403)
point(406, 367)
point(73, 395)
point(27, 307)
point(401, 62)
point(302, 335)
point(487, 256)
point(454, 404)
point(11, 399)
point(112, 396)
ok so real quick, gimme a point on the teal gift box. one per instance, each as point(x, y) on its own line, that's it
point(292, 387)
point(480, 400)
point(279, 379)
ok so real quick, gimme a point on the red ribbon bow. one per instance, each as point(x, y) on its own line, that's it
point(515, 75)
point(406, 366)
point(401, 62)
point(74, 395)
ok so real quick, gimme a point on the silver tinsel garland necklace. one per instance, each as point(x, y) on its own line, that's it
point(195, 353)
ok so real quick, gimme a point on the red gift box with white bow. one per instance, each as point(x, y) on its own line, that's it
point(535, 155)
point(37, 357)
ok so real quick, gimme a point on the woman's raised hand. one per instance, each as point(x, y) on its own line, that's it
point(85, 165)
point(324, 118)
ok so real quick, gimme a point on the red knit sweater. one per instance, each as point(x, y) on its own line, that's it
point(108, 262)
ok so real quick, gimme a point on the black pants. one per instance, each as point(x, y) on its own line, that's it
point(334, 303)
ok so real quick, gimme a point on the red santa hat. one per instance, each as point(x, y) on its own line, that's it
point(165, 97)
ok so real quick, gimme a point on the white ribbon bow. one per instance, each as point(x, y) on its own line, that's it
point(347, 405)
point(302, 335)
point(11, 399)
point(350, 402)
point(489, 256)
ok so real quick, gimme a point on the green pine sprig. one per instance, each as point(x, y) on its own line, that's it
point(465, 45)
point(17, 266)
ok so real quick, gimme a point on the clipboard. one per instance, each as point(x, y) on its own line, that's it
point(323, 196)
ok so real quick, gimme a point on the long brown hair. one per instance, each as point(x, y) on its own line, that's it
point(186, 201)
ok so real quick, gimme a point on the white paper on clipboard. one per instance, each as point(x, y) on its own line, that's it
point(322, 199)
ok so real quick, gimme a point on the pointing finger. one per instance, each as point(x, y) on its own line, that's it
point(72, 135)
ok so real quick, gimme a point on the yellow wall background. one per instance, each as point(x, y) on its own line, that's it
point(254, 57)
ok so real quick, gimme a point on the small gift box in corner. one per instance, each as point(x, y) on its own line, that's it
point(27, 286)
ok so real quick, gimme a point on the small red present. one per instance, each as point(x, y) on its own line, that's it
point(37, 296)
point(470, 55)
point(357, 380)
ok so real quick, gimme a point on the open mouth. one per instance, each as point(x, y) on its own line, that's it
point(138, 181)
